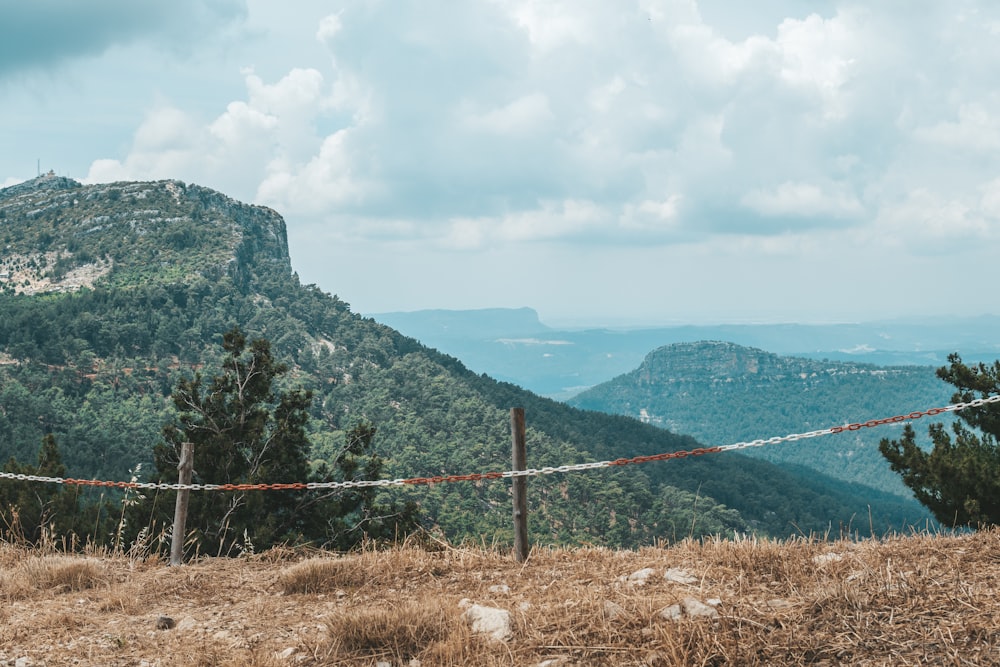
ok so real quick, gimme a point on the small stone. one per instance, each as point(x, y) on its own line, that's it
point(489, 621)
point(165, 623)
point(612, 610)
point(693, 607)
point(187, 623)
point(679, 576)
point(287, 653)
point(823, 559)
point(639, 577)
point(499, 589)
point(671, 613)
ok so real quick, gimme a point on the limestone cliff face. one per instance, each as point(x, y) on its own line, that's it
point(709, 363)
point(59, 235)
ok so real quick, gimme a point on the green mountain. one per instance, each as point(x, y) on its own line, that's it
point(111, 293)
point(722, 393)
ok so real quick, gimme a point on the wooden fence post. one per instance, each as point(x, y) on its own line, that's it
point(519, 485)
point(185, 469)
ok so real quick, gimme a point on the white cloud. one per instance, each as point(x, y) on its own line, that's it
point(525, 114)
point(329, 26)
point(927, 222)
point(493, 126)
point(551, 24)
point(802, 200)
point(821, 55)
point(977, 129)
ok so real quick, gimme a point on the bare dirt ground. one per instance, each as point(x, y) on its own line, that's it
point(917, 600)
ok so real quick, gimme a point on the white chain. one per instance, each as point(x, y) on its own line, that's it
point(531, 472)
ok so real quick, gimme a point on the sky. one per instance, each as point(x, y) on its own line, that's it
point(602, 161)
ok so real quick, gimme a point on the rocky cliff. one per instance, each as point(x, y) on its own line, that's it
point(126, 233)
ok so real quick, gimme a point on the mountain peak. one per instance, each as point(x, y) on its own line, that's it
point(45, 182)
point(60, 235)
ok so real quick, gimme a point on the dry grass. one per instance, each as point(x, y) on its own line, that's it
point(915, 600)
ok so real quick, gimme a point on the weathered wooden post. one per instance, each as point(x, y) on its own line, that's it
point(185, 469)
point(519, 485)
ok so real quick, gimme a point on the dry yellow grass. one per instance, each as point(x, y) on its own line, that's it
point(916, 600)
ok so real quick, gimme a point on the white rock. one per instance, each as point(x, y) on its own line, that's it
point(287, 653)
point(639, 577)
point(671, 613)
point(490, 621)
point(500, 589)
point(186, 623)
point(612, 610)
point(679, 576)
point(823, 559)
point(689, 607)
point(693, 607)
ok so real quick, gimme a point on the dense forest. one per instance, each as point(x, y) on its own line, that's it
point(113, 294)
point(722, 393)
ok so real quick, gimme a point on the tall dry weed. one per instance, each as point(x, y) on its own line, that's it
point(396, 632)
point(58, 573)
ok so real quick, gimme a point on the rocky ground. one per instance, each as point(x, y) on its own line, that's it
point(917, 600)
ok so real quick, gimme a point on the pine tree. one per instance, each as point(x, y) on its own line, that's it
point(242, 432)
point(27, 509)
point(959, 479)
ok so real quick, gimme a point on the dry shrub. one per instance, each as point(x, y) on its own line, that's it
point(322, 575)
point(400, 632)
point(125, 598)
point(61, 573)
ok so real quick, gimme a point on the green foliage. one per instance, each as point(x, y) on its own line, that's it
point(958, 480)
point(243, 432)
point(31, 512)
point(722, 393)
point(358, 514)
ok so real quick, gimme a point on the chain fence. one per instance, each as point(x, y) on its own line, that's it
point(530, 472)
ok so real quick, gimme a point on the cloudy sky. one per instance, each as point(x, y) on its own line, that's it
point(603, 161)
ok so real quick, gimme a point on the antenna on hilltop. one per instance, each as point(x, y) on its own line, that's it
point(39, 166)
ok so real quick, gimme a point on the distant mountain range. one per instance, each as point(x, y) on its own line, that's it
point(515, 346)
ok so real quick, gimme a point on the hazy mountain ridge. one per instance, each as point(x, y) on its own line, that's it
point(562, 362)
point(723, 393)
point(93, 366)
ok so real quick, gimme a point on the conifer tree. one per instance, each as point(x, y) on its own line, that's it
point(27, 509)
point(959, 479)
point(243, 432)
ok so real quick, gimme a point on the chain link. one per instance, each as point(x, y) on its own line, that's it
point(508, 474)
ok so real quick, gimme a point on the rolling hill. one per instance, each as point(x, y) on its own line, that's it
point(720, 393)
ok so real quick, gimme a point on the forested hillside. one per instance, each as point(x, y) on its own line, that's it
point(112, 293)
point(722, 393)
